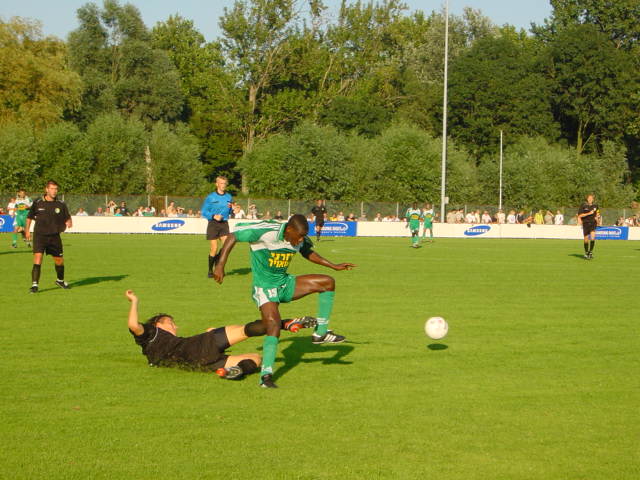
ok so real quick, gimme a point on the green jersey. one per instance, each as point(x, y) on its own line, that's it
point(21, 206)
point(428, 218)
point(271, 254)
point(413, 216)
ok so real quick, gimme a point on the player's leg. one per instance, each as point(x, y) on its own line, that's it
point(431, 234)
point(271, 320)
point(54, 248)
point(319, 230)
point(237, 366)
point(592, 242)
point(35, 270)
point(14, 236)
point(213, 249)
point(325, 286)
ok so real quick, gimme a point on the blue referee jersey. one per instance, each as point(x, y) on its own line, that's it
point(216, 204)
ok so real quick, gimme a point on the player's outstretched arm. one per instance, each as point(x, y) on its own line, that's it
point(134, 325)
point(229, 243)
point(315, 258)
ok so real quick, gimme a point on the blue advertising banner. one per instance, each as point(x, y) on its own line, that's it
point(6, 223)
point(477, 230)
point(612, 233)
point(335, 229)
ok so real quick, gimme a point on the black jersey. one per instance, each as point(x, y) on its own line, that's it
point(50, 216)
point(165, 349)
point(319, 213)
point(591, 209)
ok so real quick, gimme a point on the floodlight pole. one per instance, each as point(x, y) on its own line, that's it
point(500, 199)
point(443, 181)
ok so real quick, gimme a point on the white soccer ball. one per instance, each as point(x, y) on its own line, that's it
point(436, 328)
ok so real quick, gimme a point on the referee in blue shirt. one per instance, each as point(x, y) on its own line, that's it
point(216, 208)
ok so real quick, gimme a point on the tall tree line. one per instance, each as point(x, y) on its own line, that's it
point(296, 100)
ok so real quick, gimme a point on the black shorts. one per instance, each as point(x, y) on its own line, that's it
point(49, 244)
point(216, 229)
point(588, 227)
point(319, 224)
point(222, 343)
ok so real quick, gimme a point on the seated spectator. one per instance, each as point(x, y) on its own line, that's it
point(147, 212)
point(619, 222)
point(139, 211)
point(378, 217)
point(99, 212)
point(192, 214)
point(278, 216)
point(124, 210)
point(81, 213)
point(163, 213)
point(559, 218)
point(252, 212)
point(117, 212)
point(362, 218)
point(172, 211)
point(500, 217)
point(340, 217)
point(267, 215)
point(333, 217)
point(486, 218)
point(629, 222)
point(470, 217)
point(548, 218)
point(238, 212)
point(352, 217)
point(460, 216)
point(111, 207)
point(521, 217)
point(181, 213)
point(538, 218)
point(387, 218)
point(511, 218)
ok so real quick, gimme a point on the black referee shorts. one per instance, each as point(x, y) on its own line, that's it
point(216, 229)
point(49, 244)
point(588, 227)
point(222, 343)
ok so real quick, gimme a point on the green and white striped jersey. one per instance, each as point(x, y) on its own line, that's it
point(271, 254)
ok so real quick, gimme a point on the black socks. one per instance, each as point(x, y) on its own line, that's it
point(35, 273)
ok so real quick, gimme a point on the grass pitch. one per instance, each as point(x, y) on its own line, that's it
point(537, 379)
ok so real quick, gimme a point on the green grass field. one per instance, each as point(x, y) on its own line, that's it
point(539, 377)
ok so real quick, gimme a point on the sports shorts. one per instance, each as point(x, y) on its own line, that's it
point(216, 229)
point(588, 227)
point(49, 244)
point(282, 294)
point(20, 221)
point(222, 342)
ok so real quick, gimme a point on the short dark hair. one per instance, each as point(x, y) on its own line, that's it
point(156, 318)
point(299, 222)
point(52, 182)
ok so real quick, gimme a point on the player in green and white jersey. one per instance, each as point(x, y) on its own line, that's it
point(273, 246)
point(413, 217)
point(427, 216)
point(21, 209)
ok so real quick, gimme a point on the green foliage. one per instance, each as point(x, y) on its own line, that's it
point(18, 158)
point(175, 161)
point(357, 115)
point(37, 85)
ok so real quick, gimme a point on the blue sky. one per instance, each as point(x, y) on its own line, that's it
point(58, 17)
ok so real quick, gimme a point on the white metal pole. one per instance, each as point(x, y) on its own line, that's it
point(500, 200)
point(443, 181)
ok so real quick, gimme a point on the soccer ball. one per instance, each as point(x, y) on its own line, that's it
point(436, 328)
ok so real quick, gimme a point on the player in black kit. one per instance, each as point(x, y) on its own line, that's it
point(52, 218)
point(319, 212)
point(204, 352)
point(587, 215)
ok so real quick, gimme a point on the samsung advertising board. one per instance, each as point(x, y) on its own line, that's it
point(335, 229)
point(6, 223)
point(477, 230)
point(612, 233)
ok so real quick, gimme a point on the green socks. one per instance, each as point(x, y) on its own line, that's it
point(15, 238)
point(325, 305)
point(269, 349)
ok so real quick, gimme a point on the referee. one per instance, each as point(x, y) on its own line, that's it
point(216, 208)
point(319, 212)
point(51, 217)
point(588, 216)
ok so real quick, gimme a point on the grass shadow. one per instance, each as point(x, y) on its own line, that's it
point(437, 346)
point(8, 252)
point(296, 349)
point(239, 271)
point(577, 255)
point(90, 281)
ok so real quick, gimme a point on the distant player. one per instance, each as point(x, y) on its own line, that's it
point(413, 217)
point(272, 246)
point(20, 207)
point(52, 218)
point(319, 212)
point(427, 218)
point(160, 344)
point(587, 215)
point(216, 208)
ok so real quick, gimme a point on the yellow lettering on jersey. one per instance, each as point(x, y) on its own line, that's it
point(280, 260)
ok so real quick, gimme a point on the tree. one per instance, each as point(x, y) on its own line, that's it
point(593, 86)
point(37, 85)
point(19, 166)
point(112, 51)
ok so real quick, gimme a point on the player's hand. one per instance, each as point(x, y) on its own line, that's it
point(217, 217)
point(27, 235)
point(344, 266)
point(218, 274)
point(132, 297)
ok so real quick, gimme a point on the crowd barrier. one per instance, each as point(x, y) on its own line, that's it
point(192, 226)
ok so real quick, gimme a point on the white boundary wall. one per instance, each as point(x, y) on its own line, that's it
point(365, 229)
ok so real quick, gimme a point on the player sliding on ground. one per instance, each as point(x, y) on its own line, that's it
point(206, 351)
point(273, 245)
